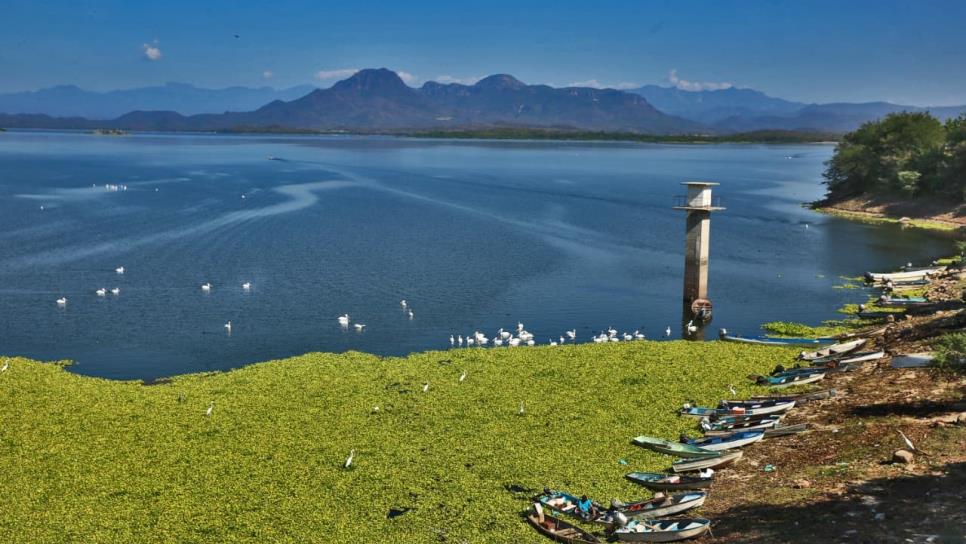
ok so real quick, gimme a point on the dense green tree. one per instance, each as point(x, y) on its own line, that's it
point(902, 153)
point(954, 168)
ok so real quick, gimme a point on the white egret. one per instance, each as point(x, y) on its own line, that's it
point(403, 303)
point(731, 388)
point(452, 341)
point(62, 301)
point(522, 408)
point(6, 365)
point(463, 376)
point(667, 332)
point(211, 408)
point(119, 270)
point(426, 387)
point(101, 292)
point(459, 340)
point(348, 460)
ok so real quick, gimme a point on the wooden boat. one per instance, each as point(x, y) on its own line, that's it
point(787, 380)
point(673, 448)
point(851, 362)
point(669, 482)
point(772, 340)
point(663, 530)
point(785, 430)
point(663, 506)
point(801, 398)
point(559, 530)
point(728, 441)
point(689, 465)
point(565, 503)
point(756, 409)
point(709, 427)
point(836, 349)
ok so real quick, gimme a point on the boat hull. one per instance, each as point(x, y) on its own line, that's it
point(689, 465)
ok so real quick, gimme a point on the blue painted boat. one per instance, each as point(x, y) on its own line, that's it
point(737, 439)
point(676, 449)
point(754, 409)
point(790, 379)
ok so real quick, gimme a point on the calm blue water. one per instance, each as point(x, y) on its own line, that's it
point(475, 235)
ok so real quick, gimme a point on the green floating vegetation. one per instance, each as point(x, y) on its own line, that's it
point(95, 460)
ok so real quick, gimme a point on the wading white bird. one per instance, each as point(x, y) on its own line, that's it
point(426, 387)
point(359, 327)
point(459, 340)
point(119, 270)
point(211, 408)
point(462, 376)
point(572, 334)
point(667, 332)
point(228, 327)
point(344, 320)
point(62, 301)
point(452, 341)
point(116, 291)
point(206, 287)
point(403, 303)
point(522, 408)
point(731, 388)
point(6, 365)
point(348, 460)
point(247, 285)
point(101, 292)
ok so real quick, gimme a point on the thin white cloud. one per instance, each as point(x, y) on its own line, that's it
point(341, 73)
point(268, 74)
point(595, 84)
point(461, 80)
point(407, 78)
point(151, 51)
point(686, 85)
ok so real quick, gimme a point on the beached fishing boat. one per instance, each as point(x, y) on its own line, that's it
point(565, 503)
point(663, 506)
point(909, 275)
point(785, 430)
point(664, 530)
point(559, 530)
point(835, 349)
point(728, 441)
point(758, 408)
point(795, 378)
point(903, 301)
point(669, 482)
point(707, 427)
point(801, 398)
point(673, 448)
point(772, 340)
point(850, 360)
point(689, 465)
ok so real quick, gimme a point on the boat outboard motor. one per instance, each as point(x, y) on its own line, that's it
point(620, 520)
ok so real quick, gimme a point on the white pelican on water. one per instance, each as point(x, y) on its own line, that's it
point(359, 327)
point(101, 292)
point(62, 301)
point(410, 314)
point(228, 327)
point(119, 270)
point(572, 334)
point(403, 303)
point(344, 320)
point(116, 291)
point(247, 286)
point(206, 287)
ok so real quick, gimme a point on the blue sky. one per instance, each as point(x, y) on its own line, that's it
point(909, 52)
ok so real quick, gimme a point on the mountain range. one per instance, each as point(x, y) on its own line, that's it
point(377, 100)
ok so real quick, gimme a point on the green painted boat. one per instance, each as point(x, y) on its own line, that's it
point(674, 448)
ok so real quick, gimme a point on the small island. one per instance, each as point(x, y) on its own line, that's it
point(907, 167)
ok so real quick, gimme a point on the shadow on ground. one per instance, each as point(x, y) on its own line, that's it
point(911, 509)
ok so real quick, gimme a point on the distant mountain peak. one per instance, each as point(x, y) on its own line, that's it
point(500, 81)
point(372, 80)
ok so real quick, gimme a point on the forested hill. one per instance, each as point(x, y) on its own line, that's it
point(905, 156)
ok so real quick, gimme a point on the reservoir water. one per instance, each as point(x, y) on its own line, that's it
point(475, 235)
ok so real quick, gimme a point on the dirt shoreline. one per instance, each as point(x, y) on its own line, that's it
point(838, 482)
point(924, 212)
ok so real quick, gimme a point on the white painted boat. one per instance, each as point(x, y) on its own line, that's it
point(863, 357)
point(903, 276)
point(736, 439)
point(666, 530)
point(835, 349)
